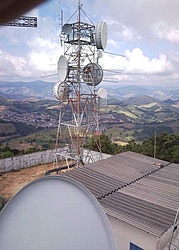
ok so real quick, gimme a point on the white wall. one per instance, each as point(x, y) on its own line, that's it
point(125, 233)
point(29, 160)
point(164, 241)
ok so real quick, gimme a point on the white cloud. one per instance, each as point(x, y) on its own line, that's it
point(138, 68)
point(138, 63)
point(29, 53)
point(10, 63)
point(141, 20)
point(170, 33)
point(40, 42)
point(129, 34)
point(133, 29)
point(173, 35)
point(113, 43)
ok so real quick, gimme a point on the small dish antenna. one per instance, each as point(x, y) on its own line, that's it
point(62, 68)
point(92, 74)
point(54, 212)
point(101, 35)
point(99, 54)
point(61, 90)
point(67, 29)
point(102, 93)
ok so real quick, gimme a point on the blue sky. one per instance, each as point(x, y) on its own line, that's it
point(146, 32)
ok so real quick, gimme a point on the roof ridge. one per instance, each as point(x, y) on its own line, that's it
point(133, 181)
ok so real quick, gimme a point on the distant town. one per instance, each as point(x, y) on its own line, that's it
point(33, 118)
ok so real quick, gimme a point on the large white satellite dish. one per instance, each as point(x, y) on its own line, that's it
point(101, 35)
point(102, 93)
point(52, 213)
point(92, 74)
point(61, 90)
point(62, 68)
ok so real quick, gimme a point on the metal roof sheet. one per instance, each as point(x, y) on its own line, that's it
point(161, 187)
point(105, 176)
point(134, 188)
point(145, 215)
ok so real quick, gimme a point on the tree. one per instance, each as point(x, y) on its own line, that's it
point(104, 143)
point(167, 147)
point(31, 150)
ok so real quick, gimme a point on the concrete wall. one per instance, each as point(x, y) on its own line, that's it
point(29, 160)
point(164, 241)
point(125, 233)
point(90, 156)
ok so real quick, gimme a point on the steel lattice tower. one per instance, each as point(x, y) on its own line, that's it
point(79, 74)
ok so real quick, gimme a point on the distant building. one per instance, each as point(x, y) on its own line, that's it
point(140, 196)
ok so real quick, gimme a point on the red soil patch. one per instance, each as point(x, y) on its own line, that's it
point(12, 182)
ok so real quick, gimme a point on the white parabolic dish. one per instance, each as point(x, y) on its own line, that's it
point(53, 213)
point(62, 68)
point(92, 74)
point(101, 35)
point(61, 90)
point(102, 93)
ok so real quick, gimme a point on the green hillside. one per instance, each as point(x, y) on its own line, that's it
point(134, 119)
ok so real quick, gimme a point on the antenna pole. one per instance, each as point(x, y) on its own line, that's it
point(155, 144)
point(79, 85)
point(59, 14)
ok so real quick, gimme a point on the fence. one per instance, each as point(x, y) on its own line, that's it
point(48, 156)
point(28, 160)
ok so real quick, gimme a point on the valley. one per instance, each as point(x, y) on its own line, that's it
point(27, 123)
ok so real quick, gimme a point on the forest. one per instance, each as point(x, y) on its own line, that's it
point(164, 147)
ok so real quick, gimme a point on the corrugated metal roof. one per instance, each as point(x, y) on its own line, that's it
point(152, 218)
point(98, 183)
point(105, 176)
point(161, 187)
point(137, 189)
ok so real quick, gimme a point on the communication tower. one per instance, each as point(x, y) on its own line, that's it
point(79, 75)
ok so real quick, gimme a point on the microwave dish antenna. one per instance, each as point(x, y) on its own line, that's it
point(99, 54)
point(61, 90)
point(102, 93)
point(66, 29)
point(48, 219)
point(101, 35)
point(62, 68)
point(92, 74)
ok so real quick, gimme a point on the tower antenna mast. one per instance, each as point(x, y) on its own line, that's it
point(79, 74)
point(79, 85)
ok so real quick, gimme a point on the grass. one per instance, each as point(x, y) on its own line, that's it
point(135, 110)
point(35, 139)
point(120, 110)
point(7, 128)
point(120, 134)
point(176, 105)
point(149, 105)
point(126, 112)
point(121, 143)
point(40, 137)
point(110, 108)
